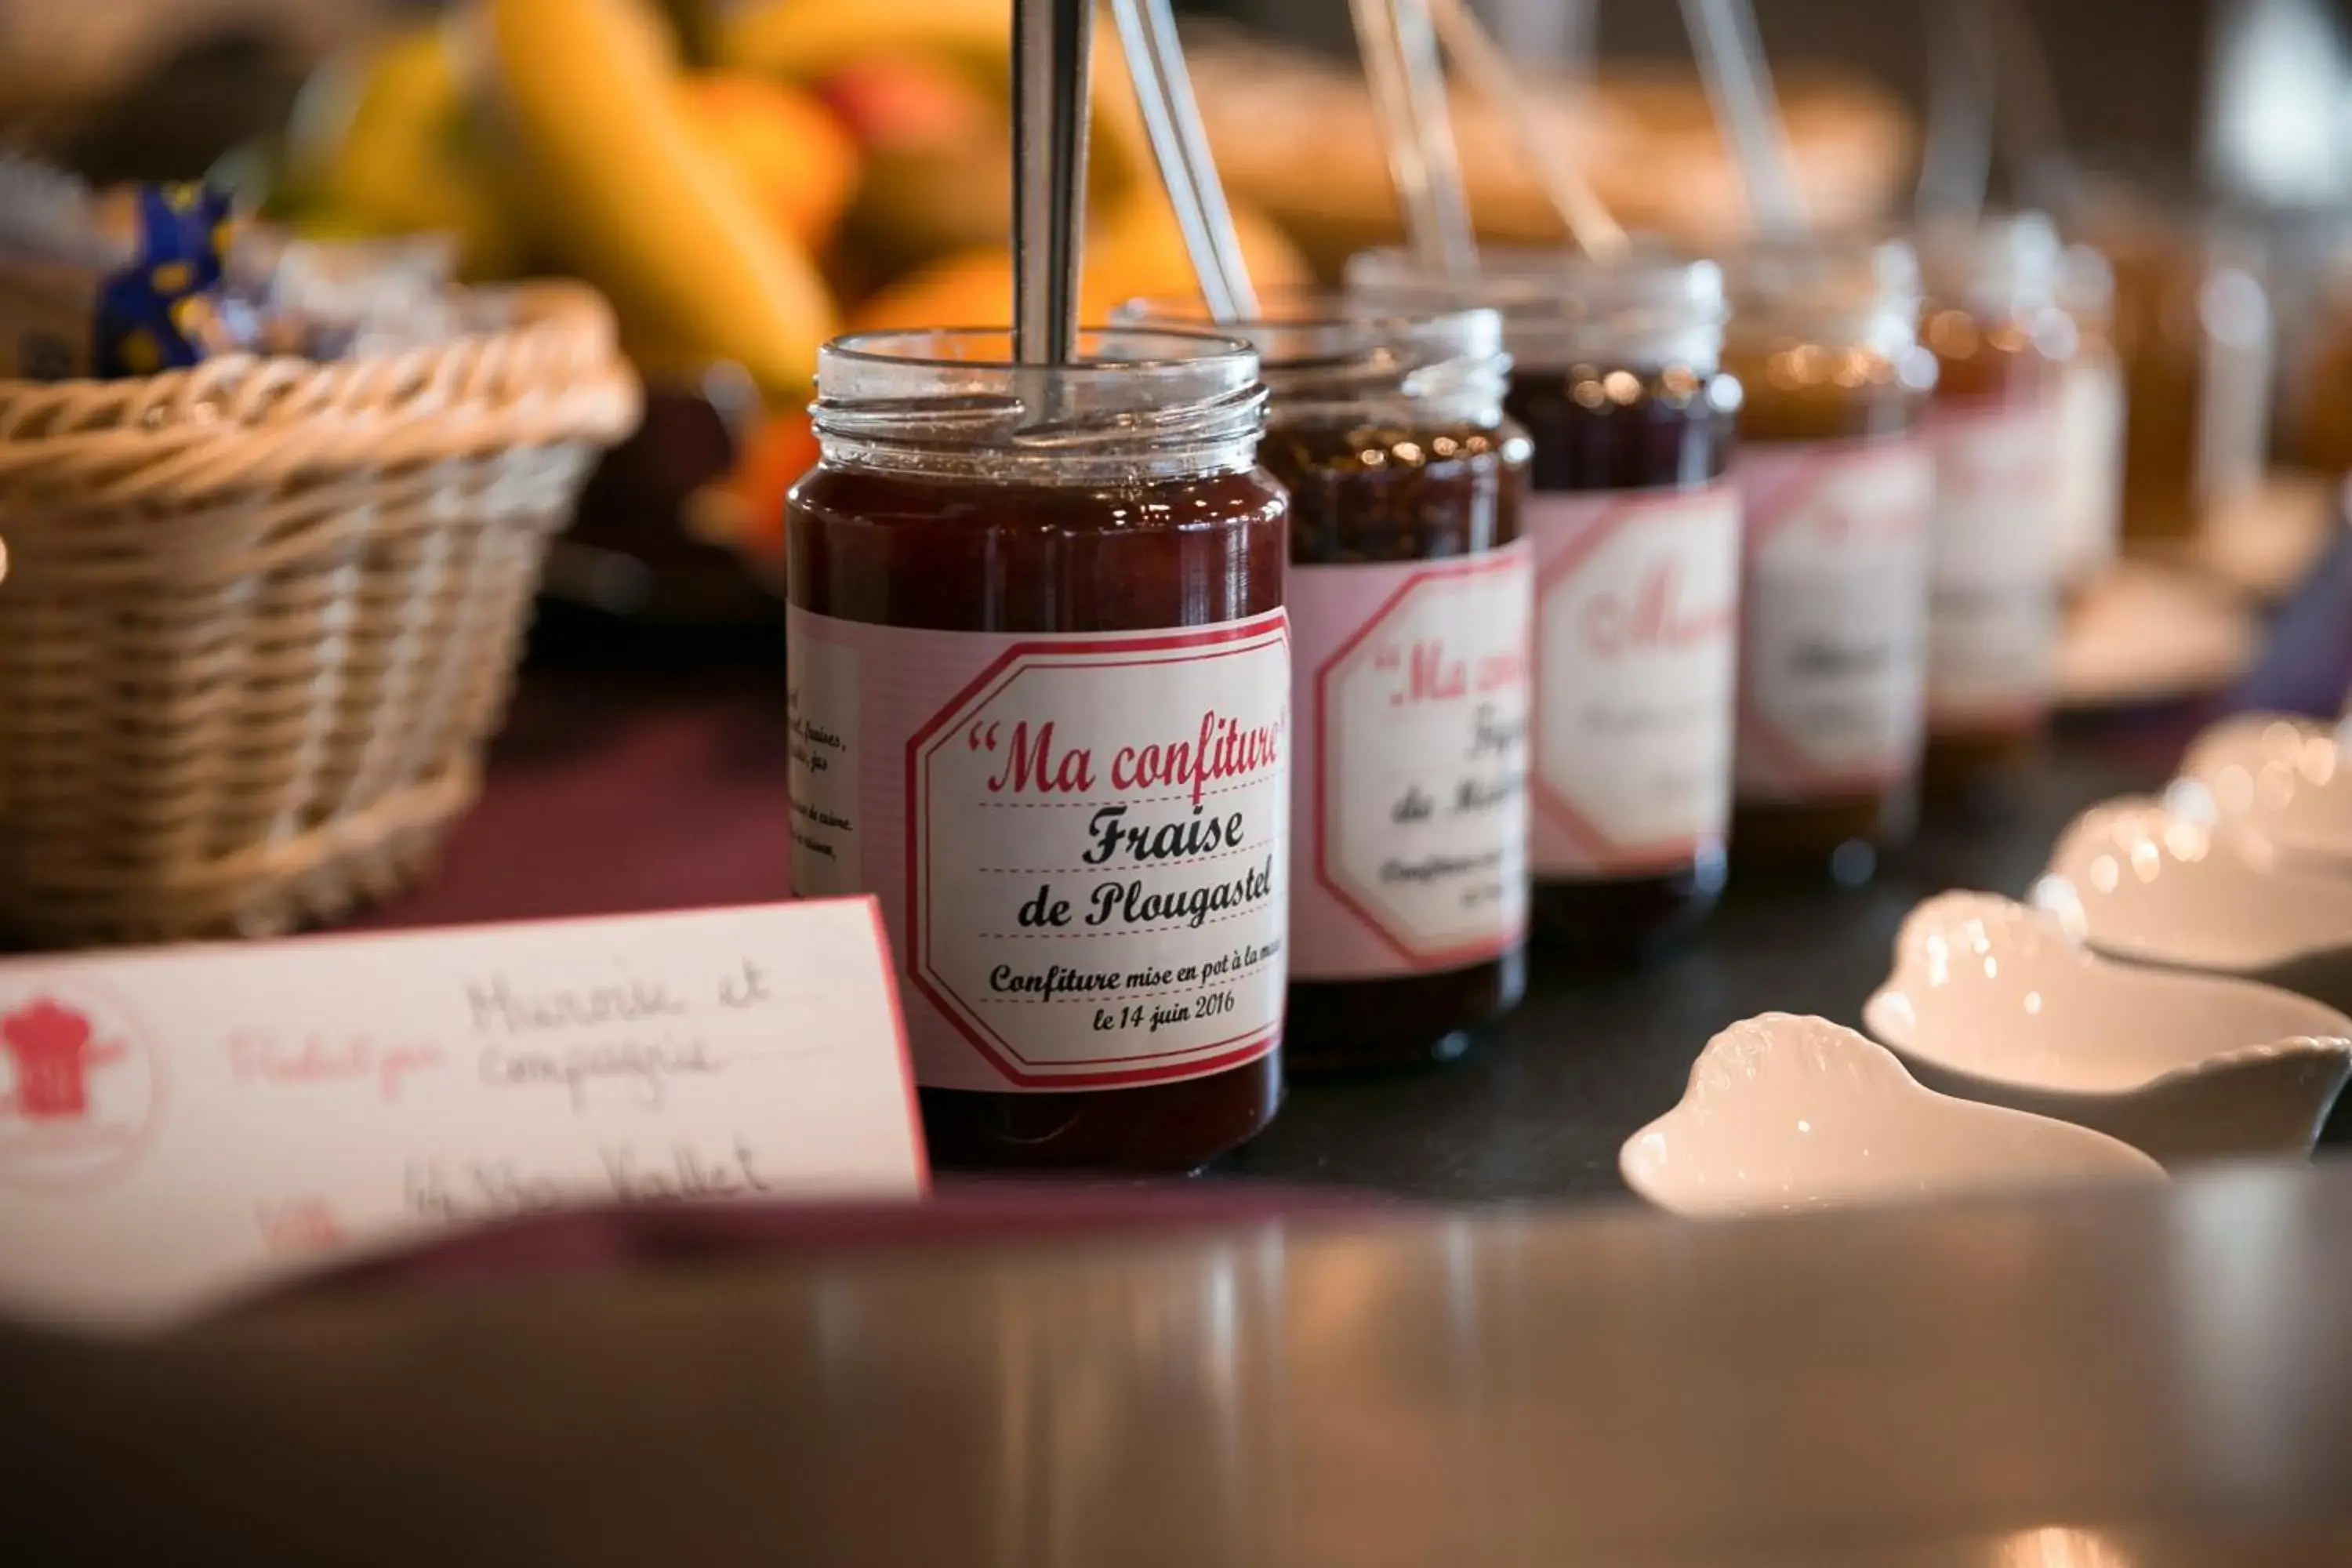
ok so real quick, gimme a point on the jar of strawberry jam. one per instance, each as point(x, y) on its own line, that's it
point(1635, 528)
point(1409, 603)
point(2090, 424)
point(1040, 708)
point(1836, 484)
point(2001, 342)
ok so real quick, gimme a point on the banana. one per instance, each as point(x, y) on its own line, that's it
point(624, 191)
point(378, 144)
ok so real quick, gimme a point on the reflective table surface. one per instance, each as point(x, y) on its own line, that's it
point(2092, 1380)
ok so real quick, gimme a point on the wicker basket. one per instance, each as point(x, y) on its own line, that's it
point(261, 616)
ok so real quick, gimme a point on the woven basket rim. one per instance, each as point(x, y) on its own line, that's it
point(543, 305)
point(554, 375)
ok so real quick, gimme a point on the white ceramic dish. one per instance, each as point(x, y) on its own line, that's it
point(1992, 1001)
point(1786, 1113)
point(2148, 633)
point(2137, 881)
point(2288, 779)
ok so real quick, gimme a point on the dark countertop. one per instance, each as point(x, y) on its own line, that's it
point(649, 772)
point(2156, 1376)
point(1541, 1110)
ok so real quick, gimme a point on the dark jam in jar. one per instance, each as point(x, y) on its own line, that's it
point(1837, 484)
point(1040, 682)
point(1635, 535)
point(2000, 341)
point(1409, 601)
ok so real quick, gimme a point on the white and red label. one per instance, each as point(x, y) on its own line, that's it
point(1992, 646)
point(184, 1124)
point(1833, 616)
point(2091, 413)
point(1409, 794)
point(1081, 843)
point(1637, 605)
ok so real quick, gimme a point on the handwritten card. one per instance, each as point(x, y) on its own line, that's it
point(179, 1125)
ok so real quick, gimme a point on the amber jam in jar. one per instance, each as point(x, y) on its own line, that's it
point(1635, 528)
point(2000, 345)
point(1836, 483)
point(1040, 708)
point(1409, 603)
point(2196, 335)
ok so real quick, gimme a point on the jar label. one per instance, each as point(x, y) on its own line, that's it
point(1637, 599)
point(2091, 472)
point(1992, 630)
point(1833, 616)
point(1080, 843)
point(2237, 357)
point(1410, 793)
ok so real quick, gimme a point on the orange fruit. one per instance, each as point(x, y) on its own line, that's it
point(799, 159)
point(970, 289)
point(772, 460)
point(1136, 250)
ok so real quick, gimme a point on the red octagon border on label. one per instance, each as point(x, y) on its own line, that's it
point(999, 1055)
point(1495, 561)
point(1607, 854)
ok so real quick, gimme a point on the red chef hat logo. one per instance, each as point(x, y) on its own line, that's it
point(76, 1093)
point(54, 1050)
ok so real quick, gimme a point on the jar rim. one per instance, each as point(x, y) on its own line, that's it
point(1857, 287)
point(1348, 324)
point(1139, 400)
point(1656, 303)
point(1324, 354)
point(1180, 347)
point(1888, 263)
point(1994, 262)
point(1526, 278)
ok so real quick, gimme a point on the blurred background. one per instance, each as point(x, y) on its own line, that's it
point(2248, 90)
point(2201, 144)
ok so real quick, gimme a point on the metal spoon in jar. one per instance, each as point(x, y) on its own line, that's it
point(1171, 118)
point(1051, 40)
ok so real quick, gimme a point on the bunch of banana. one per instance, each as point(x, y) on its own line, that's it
point(566, 134)
point(586, 101)
point(819, 150)
point(382, 142)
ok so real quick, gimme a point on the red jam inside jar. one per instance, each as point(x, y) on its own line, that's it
point(1040, 708)
point(1635, 532)
point(1410, 601)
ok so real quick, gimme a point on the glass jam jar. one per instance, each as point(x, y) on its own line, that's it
point(2194, 330)
point(2000, 345)
point(2316, 422)
point(1039, 681)
point(2090, 423)
point(1410, 603)
point(1636, 530)
point(1836, 483)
